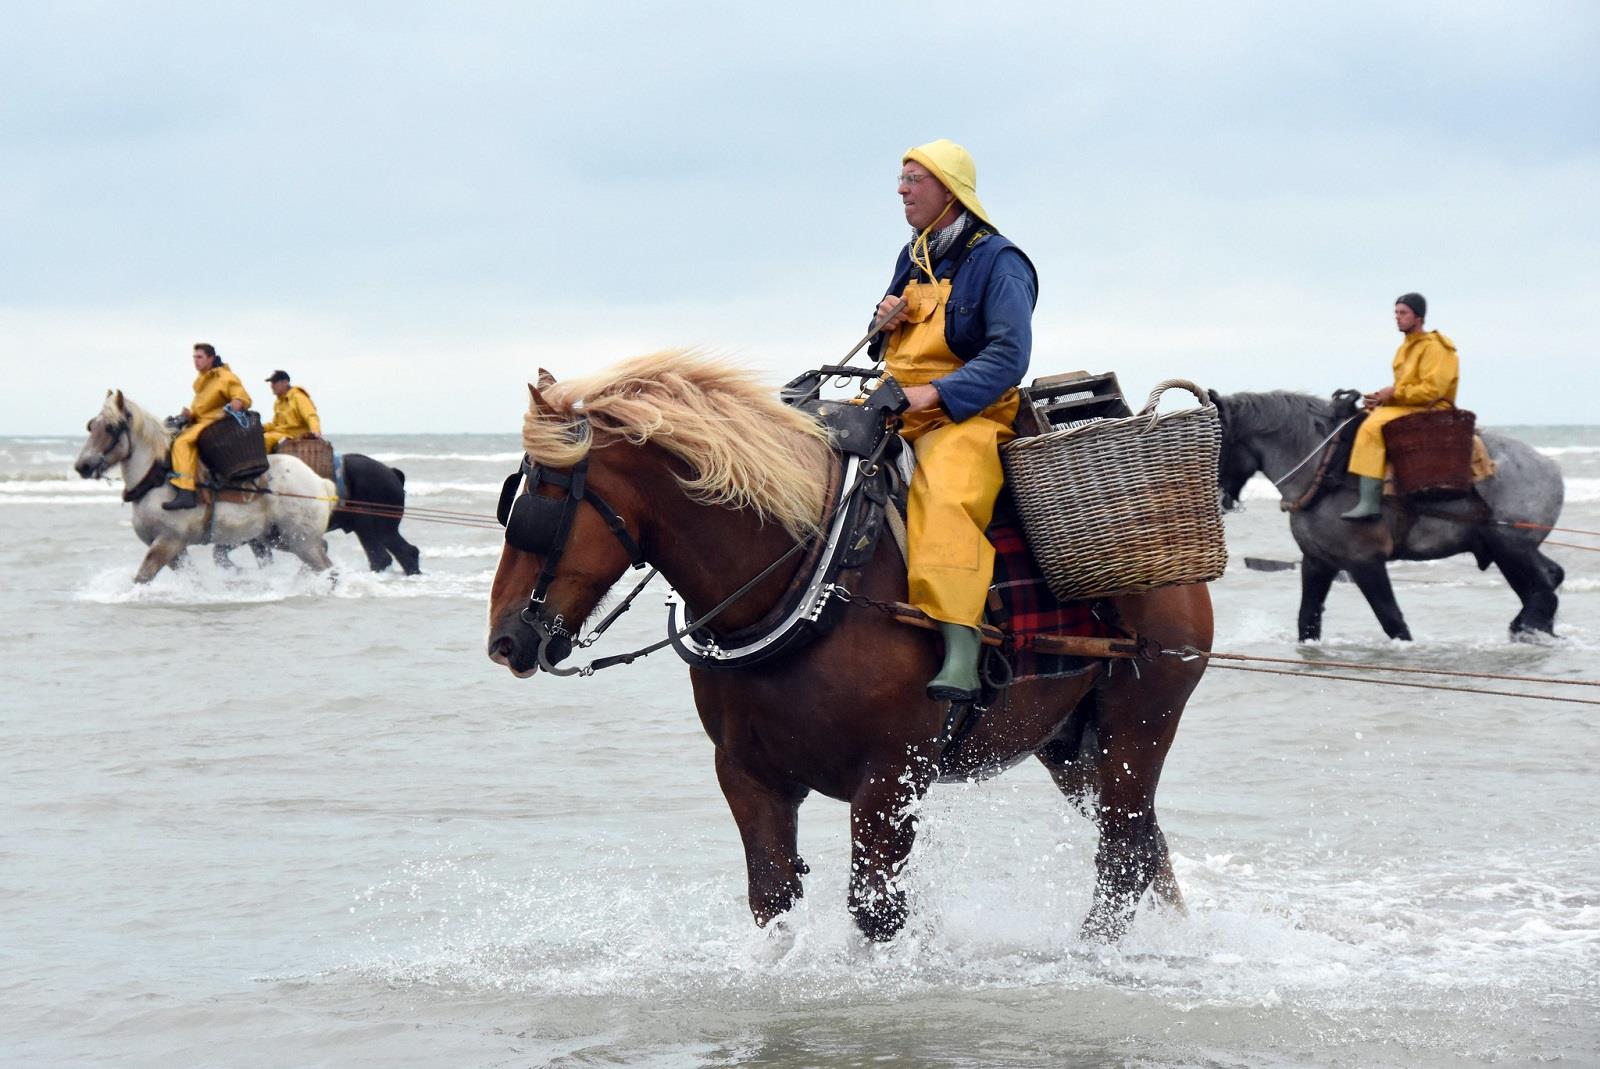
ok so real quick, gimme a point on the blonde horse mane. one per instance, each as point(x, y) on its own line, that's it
point(746, 448)
point(142, 426)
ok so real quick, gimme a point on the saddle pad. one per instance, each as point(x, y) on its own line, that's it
point(1028, 608)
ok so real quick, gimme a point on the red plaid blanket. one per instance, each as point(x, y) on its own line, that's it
point(1027, 607)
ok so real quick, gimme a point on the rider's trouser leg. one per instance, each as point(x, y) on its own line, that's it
point(1368, 455)
point(186, 456)
point(951, 502)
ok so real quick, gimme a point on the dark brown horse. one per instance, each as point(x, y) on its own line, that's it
point(712, 480)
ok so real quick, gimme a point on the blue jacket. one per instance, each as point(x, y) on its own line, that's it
point(989, 323)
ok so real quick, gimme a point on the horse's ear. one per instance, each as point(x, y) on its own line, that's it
point(1216, 398)
point(536, 401)
point(122, 405)
point(546, 380)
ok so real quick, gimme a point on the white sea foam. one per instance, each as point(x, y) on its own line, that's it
point(285, 579)
point(464, 552)
point(423, 488)
point(36, 484)
point(473, 458)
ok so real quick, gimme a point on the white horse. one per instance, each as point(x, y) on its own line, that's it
point(125, 434)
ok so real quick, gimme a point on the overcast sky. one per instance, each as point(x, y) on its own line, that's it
point(413, 207)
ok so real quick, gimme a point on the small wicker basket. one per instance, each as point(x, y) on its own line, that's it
point(1432, 451)
point(1117, 506)
point(316, 453)
point(232, 447)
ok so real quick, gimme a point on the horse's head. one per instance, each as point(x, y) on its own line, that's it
point(109, 441)
point(1238, 460)
point(574, 520)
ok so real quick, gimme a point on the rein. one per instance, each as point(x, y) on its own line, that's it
point(1325, 449)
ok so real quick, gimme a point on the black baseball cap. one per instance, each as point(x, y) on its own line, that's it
point(278, 376)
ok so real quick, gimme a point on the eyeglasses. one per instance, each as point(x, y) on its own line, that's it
point(909, 179)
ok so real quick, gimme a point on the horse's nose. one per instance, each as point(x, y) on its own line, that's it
point(84, 469)
point(500, 648)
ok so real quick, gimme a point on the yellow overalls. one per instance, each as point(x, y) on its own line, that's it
point(958, 469)
point(1426, 370)
point(213, 389)
point(293, 416)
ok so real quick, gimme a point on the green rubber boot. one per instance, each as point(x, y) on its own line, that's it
point(1370, 505)
point(957, 680)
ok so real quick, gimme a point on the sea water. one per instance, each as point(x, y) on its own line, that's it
point(271, 818)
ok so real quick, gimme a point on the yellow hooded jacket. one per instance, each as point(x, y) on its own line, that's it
point(293, 415)
point(1426, 370)
point(213, 389)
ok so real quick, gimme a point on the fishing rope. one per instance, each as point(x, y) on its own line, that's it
point(1418, 686)
point(1190, 652)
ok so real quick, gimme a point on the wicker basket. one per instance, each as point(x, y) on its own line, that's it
point(234, 451)
point(316, 453)
point(1117, 506)
point(1432, 451)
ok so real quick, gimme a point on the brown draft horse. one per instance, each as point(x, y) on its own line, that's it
point(714, 479)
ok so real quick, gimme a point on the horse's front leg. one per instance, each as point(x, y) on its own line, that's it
point(162, 552)
point(768, 822)
point(883, 828)
point(1316, 578)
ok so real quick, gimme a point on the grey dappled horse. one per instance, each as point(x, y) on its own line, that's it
point(124, 434)
point(1273, 432)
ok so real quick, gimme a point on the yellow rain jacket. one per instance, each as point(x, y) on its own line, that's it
point(958, 471)
point(293, 416)
point(1426, 370)
point(213, 389)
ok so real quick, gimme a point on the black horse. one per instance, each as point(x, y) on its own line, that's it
point(381, 492)
point(1281, 435)
point(372, 482)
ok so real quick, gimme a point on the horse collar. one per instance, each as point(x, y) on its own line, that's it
point(153, 478)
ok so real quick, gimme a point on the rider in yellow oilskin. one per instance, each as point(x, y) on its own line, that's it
point(959, 348)
point(293, 414)
point(215, 387)
point(1426, 370)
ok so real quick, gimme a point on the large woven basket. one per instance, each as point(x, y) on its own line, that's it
point(316, 453)
point(1432, 451)
point(1117, 506)
point(234, 451)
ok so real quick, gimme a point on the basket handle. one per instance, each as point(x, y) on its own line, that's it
point(1162, 387)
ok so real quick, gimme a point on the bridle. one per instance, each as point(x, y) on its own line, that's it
point(542, 526)
point(118, 432)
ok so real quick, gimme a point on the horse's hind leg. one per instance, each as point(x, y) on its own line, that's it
point(1372, 578)
point(219, 557)
point(1137, 720)
point(768, 823)
point(313, 550)
point(1552, 571)
point(404, 552)
point(372, 545)
point(1524, 568)
point(1316, 578)
point(1071, 764)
